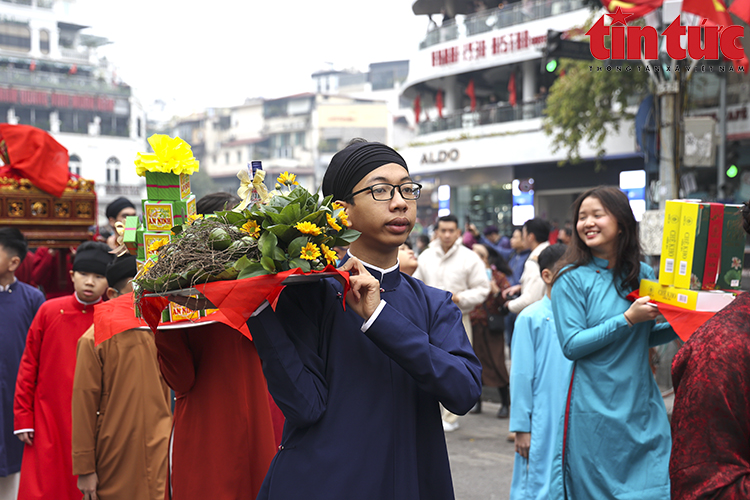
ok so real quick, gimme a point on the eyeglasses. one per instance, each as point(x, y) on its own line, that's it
point(384, 191)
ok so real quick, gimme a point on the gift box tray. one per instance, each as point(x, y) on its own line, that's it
point(294, 279)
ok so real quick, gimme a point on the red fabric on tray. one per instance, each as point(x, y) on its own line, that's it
point(683, 321)
point(118, 315)
point(235, 299)
point(34, 154)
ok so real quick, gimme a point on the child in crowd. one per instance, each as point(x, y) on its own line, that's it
point(614, 442)
point(538, 378)
point(121, 408)
point(44, 387)
point(19, 303)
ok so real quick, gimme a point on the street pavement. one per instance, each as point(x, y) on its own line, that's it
point(481, 456)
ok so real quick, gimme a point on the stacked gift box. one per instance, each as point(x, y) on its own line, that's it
point(703, 250)
point(169, 202)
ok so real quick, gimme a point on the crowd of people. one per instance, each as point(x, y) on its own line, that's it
point(337, 402)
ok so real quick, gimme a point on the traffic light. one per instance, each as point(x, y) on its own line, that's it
point(554, 40)
point(733, 156)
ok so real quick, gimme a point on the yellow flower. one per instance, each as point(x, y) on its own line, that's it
point(193, 218)
point(308, 228)
point(344, 218)
point(336, 205)
point(156, 245)
point(252, 228)
point(332, 222)
point(329, 254)
point(310, 252)
point(171, 155)
point(287, 179)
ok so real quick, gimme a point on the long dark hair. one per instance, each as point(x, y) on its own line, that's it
point(627, 265)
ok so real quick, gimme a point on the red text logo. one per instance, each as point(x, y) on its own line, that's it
point(635, 42)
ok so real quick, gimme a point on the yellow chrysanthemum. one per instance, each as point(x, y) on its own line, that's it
point(344, 218)
point(336, 205)
point(171, 155)
point(156, 245)
point(329, 254)
point(193, 218)
point(332, 222)
point(287, 179)
point(252, 228)
point(310, 252)
point(307, 228)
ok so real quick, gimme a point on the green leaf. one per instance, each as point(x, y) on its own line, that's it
point(295, 247)
point(242, 263)
point(279, 229)
point(234, 218)
point(290, 214)
point(229, 273)
point(254, 269)
point(278, 255)
point(267, 243)
point(346, 237)
point(303, 264)
point(268, 264)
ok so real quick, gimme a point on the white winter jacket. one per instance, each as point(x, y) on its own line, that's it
point(459, 271)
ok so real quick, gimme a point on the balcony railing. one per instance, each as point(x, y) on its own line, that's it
point(486, 115)
point(58, 81)
point(123, 190)
point(492, 19)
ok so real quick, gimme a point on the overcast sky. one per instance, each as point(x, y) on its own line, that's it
point(218, 52)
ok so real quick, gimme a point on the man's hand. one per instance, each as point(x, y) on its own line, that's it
point(87, 483)
point(26, 437)
point(523, 443)
point(511, 290)
point(364, 294)
point(454, 298)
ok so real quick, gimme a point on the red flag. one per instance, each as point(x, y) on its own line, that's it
point(713, 10)
point(35, 155)
point(472, 95)
point(417, 109)
point(741, 9)
point(637, 8)
point(512, 89)
point(439, 102)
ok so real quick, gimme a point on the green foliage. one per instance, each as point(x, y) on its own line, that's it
point(586, 103)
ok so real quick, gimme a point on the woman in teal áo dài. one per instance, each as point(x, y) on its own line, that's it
point(614, 439)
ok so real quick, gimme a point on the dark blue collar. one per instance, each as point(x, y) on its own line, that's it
point(389, 278)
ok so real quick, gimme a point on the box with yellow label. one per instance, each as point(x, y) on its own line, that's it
point(152, 242)
point(163, 215)
point(695, 300)
point(672, 212)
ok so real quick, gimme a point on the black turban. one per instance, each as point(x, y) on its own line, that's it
point(92, 257)
point(353, 163)
point(121, 268)
point(114, 208)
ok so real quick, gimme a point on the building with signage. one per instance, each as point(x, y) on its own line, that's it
point(52, 78)
point(298, 134)
point(479, 91)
